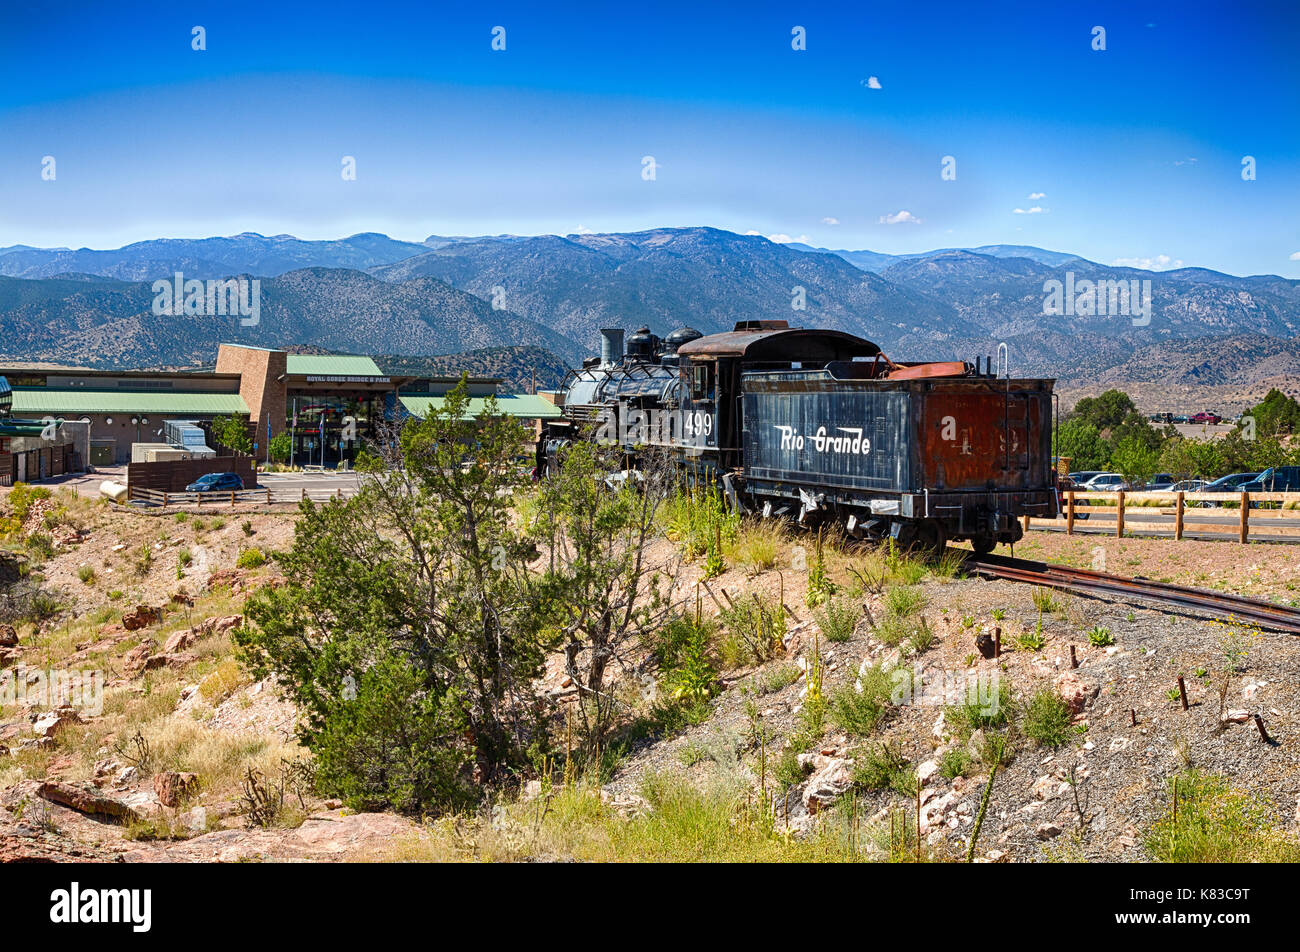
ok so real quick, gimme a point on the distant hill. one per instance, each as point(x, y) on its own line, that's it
point(378, 295)
point(517, 367)
point(107, 323)
point(205, 258)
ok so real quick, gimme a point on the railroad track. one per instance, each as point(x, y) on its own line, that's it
point(1231, 607)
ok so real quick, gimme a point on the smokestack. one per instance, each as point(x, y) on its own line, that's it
point(611, 346)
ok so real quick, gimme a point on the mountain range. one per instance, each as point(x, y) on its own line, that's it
point(373, 294)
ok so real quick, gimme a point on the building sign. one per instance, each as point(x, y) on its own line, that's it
point(331, 378)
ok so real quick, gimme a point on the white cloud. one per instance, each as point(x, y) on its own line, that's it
point(1035, 196)
point(584, 230)
point(871, 82)
point(1035, 210)
point(901, 217)
point(1158, 263)
point(780, 239)
point(1295, 256)
point(1190, 160)
point(830, 221)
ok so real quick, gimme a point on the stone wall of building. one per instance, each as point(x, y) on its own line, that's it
point(261, 385)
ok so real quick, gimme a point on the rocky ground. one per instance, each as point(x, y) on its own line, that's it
point(161, 770)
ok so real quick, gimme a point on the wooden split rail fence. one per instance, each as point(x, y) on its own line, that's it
point(1275, 515)
point(265, 496)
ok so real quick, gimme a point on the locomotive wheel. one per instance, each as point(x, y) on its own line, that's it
point(929, 535)
point(984, 544)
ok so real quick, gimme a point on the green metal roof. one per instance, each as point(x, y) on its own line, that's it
point(332, 365)
point(511, 404)
point(69, 400)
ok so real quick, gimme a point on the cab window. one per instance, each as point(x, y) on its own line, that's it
point(702, 382)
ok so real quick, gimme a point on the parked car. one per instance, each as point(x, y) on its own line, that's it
point(1188, 486)
point(215, 482)
point(1081, 477)
point(1106, 482)
point(1275, 479)
point(1207, 416)
point(1160, 482)
point(1224, 484)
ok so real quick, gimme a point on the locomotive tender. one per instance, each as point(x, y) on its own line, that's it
point(821, 425)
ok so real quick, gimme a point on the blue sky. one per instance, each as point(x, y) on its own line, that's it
point(1134, 152)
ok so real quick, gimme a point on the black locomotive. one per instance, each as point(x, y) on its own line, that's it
point(821, 425)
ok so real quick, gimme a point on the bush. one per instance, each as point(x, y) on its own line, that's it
point(87, 574)
point(1215, 822)
point(1047, 718)
point(250, 559)
point(756, 626)
point(902, 601)
point(981, 713)
point(41, 545)
point(1100, 637)
point(837, 619)
point(394, 744)
point(21, 498)
point(954, 762)
point(884, 767)
point(1032, 640)
point(757, 546)
point(861, 712)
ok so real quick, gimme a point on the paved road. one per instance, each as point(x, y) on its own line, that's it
point(312, 482)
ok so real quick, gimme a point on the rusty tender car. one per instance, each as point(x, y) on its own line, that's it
point(821, 426)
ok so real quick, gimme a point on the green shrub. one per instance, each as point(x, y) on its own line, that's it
point(250, 559)
point(981, 713)
point(861, 712)
point(1032, 640)
point(21, 497)
point(883, 767)
point(904, 600)
point(954, 762)
point(756, 627)
point(41, 545)
point(1100, 637)
point(87, 574)
point(1045, 601)
point(837, 619)
point(1047, 718)
point(1211, 821)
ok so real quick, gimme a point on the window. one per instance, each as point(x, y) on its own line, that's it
point(702, 382)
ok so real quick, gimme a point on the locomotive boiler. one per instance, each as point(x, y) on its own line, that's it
point(820, 425)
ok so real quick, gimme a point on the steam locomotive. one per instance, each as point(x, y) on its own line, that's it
point(820, 425)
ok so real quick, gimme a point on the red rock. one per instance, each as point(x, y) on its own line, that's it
point(1075, 691)
point(173, 787)
point(8, 636)
point(142, 617)
point(84, 799)
point(137, 659)
point(52, 722)
point(179, 641)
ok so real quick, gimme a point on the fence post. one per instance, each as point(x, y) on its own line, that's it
point(232, 498)
point(304, 494)
point(1025, 519)
point(1119, 515)
point(1245, 517)
point(1069, 514)
point(164, 497)
point(1178, 519)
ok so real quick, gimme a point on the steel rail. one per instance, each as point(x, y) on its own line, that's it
point(1234, 607)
